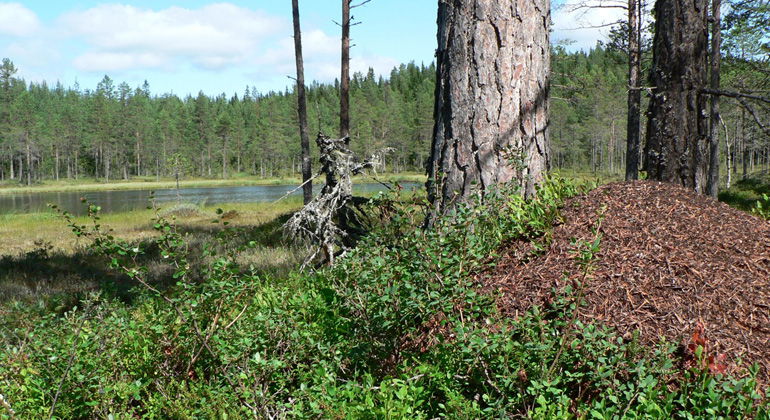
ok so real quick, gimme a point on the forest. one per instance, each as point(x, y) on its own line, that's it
point(592, 239)
point(114, 131)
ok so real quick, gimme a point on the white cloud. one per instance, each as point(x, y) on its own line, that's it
point(17, 20)
point(380, 65)
point(582, 25)
point(126, 37)
point(109, 61)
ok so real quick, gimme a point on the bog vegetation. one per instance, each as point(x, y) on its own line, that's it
point(184, 318)
point(396, 329)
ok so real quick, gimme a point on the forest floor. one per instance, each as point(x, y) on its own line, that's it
point(148, 183)
point(744, 193)
point(670, 263)
point(649, 260)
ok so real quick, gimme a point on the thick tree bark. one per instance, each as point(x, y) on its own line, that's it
point(677, 133)
point(307, 189)
point(491, 105)
point(345, 71)
point(716, 62)
point(634, 94)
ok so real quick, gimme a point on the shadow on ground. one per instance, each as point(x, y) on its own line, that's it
point(47, 272)
point(745, 193)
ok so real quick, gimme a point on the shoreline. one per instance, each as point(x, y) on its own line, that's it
point(145, 184)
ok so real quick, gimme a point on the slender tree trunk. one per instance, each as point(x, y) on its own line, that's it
point(307, 189)
point(744, 148)
point(107, 159)
point(56, 162)
point(29, 160)
point(677, 133)
point(345, 71)
point(138, 152)
point(716, 61)
point(491, 103)
point(224, 157)
point(97, 165)
point(611, 149)
point(634, 94)
point(730, 158)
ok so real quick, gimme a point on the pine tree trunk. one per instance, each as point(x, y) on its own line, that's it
point(634, 94)
point(345, 71)
point(307, 189)
point(716, 61)
point(677, 133)
point(491, 105)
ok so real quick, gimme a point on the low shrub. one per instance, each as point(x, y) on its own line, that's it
point(396, 329)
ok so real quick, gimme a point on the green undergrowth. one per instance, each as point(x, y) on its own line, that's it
point(750, 194)
point(396, 329)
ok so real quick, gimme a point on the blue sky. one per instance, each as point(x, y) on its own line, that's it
point(184, 46)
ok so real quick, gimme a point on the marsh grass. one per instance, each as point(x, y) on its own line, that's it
point(146, 183)
point(588, 177)
point(40, 257)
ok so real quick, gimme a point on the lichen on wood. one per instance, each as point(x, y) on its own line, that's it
point(334, 220)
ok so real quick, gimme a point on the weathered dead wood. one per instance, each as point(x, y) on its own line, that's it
point(334, 220)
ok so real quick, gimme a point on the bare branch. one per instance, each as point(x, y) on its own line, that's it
point(353, 6)
point(598, 5)
point(753, 113)
point(736, 95)
point(594, 26)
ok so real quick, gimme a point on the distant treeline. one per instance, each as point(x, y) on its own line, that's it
point(117, 132)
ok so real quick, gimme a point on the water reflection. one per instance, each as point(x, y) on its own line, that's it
point(116, 201)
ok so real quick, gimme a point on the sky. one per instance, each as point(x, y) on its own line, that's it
point(186, 46)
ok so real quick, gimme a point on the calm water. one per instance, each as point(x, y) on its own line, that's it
point(116, 201)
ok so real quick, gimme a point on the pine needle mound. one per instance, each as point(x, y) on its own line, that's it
point(670, 260)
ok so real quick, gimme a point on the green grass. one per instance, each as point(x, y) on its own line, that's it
point(396, 329)
point(588, 177)
point(745, 193)
point(21, 232)
point(40, 257)
point(143, 183)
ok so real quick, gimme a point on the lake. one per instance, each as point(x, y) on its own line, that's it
point(126, 200)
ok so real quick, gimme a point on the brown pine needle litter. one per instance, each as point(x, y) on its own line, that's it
point(670, 259)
